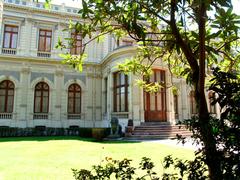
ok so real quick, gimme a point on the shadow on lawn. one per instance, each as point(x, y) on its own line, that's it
point(54, 138)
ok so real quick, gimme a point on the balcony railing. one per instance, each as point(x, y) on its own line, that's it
point(5, 115)
point(74, 116)
point(121, 115)
point(9, 51)
point(44, 54)
point(40, 116)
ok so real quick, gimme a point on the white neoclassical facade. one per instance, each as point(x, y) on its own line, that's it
point(37, 89)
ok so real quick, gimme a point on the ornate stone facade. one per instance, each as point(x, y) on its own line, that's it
point(25, 66)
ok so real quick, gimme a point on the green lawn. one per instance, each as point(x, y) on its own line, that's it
point(50, 158)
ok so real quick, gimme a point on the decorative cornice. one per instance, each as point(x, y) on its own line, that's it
point(44, 11)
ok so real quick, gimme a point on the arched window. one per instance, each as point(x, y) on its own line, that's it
point(211, 98)
point(74, 99)
point(6, 96)
point(193, 105)
point(41, 98)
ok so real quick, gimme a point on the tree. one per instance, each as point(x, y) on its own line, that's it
point(190, 34)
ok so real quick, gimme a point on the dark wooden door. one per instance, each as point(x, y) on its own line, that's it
point(155, 103)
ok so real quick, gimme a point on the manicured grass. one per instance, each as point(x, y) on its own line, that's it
point(51, 158)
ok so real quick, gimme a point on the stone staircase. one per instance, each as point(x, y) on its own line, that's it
point(153, 131)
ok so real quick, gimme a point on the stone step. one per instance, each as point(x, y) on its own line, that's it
point(161, 129)
point(148, 131)
point(155, 123)
point(150, 137)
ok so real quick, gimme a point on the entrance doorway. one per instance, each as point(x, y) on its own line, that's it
point(155, 103)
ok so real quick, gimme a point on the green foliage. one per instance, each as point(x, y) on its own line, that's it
point(226, 130)
point(188, 39)
point(122, 169)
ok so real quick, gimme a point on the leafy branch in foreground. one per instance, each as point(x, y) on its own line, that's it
point(122, 169)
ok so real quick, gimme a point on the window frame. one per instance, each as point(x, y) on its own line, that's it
point(176, 108)
point(45, 41)
point(211, 98)
point(117, 90)
point(193, 103)
point(41, 97)
point(74, 98)
point(74, 48)
point(7, 89)
point(11, 36)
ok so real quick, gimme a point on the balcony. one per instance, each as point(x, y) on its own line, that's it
point(9, 51)
point(74, 116)
point(44, 54)
point(5, 115)
point(40, 116)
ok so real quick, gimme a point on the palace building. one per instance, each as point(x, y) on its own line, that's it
point(37, 89)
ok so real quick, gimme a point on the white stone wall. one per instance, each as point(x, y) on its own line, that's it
point(25, 70)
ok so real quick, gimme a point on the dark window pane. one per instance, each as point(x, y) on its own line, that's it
point(15, 29)
point(42, 33)
point(37, 104)
point(77, 106)
point(8, 28)
point(41, 44)
point(70, 105)
point(49, 33)
point(122, 102)
point(2, 92)
point(7, 40)
point(45, 105)
point(10, 92)
point(2, 104)
point(10, 104)
point(48, 44)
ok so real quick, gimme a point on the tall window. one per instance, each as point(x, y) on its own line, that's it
point(126, 42)
point(120, 92)
point(105, 94)
point(74, 99)
point(10, 37)
point(45, 40)
point(6, 96)
point(41, 98)
point(77, 44)
point(175, 99)
point(212, 107)
point(193, 105)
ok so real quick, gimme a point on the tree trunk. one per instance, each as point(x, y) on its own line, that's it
point(210, 150)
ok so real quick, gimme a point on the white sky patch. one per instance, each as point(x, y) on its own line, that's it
point(236, 6)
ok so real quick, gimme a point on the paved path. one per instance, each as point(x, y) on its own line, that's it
point(174, 142)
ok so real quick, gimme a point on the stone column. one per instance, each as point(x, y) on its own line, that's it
point(169, 99)
point(110, 95)
point(184, 100)
point(130, 97)
point(24, 94)
point(58, 93)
